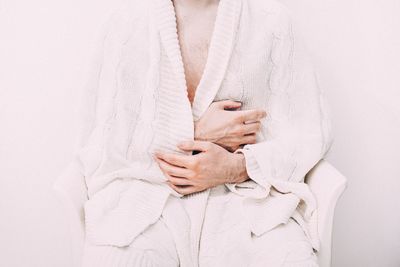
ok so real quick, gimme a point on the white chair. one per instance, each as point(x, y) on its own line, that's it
point(327, 185)
point(325, 181)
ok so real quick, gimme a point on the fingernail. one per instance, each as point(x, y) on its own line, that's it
point(184, 143)
point(156, 157)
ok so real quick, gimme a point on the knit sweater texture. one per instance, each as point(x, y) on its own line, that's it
point(136, 102)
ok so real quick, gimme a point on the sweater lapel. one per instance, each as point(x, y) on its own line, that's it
point(177, 110)
point(175, 114)
point(167, 25)
point(219, 54)
point(221, 46)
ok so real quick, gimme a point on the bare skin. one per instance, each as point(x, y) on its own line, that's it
point(195, 21)
point(222, 129)
point(227, 128)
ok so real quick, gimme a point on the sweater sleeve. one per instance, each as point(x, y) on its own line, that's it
point(119, 205)
point(86, 107)
point(106, 122)
point(95, 108)
point(296, 133)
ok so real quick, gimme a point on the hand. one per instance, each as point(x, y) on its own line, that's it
point(213, 166)
point(229, 128)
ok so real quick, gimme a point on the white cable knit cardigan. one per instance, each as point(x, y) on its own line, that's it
point(137, 102)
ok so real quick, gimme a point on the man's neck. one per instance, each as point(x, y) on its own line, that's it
point(195, 3)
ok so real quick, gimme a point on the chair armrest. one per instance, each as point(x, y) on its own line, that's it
point(71, 190)
point(327, 185)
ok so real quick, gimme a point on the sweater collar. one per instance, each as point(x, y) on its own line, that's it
point(221, 46)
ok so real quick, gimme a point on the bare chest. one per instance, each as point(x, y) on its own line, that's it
point(194, 39)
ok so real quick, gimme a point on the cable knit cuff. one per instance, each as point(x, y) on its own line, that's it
point(257, 187)
point(252, 167)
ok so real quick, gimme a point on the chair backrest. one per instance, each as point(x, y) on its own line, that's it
point(71, 190)
point(327, 185)
point(325, 182)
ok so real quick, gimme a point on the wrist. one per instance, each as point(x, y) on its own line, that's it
point(198, 135)
point(239, 169)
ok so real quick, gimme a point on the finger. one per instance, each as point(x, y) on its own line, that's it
point(174, 159)
point(251, 128)
point(179, 181)
point(183, 190)
point(252, 115)
point(228, 104)
point(171, 169)
point(195, 145)
point(249, 139)
point(234, 143)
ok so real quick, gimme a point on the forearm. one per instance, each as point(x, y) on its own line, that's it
point(239, 169)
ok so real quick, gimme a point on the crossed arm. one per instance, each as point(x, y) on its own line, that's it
point(297, 137)
point(219, 132)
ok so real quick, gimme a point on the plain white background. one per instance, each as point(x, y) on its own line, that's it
point(44, 51)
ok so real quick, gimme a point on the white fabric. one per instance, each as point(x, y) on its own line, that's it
point(226, 238)
point(324, 180)
point(137, 102)
point(225, 241)
point(152, 248)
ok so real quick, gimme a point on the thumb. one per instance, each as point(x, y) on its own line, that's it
point(228, 104)
point(194, 145)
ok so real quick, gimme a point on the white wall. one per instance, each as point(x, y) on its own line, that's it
point(44, 48)
point(356, 49)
